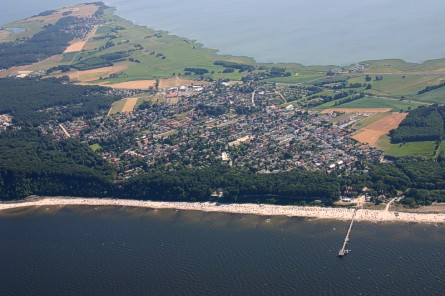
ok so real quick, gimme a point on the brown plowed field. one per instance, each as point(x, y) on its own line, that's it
point(357, 110)
point(4, 35)
point(75, 46)
point(78, 45)
point(129, 105)
point(371, 133)
point(80, 11)
point(163, 83)
point(140, 84)
point(93, 74)
point(42, 65)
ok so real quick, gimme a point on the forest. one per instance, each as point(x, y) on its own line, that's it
point(51, 40)
point(25, 99)
point(32, 163)
point(231, 65)
point(421, 124)
point(239, 186)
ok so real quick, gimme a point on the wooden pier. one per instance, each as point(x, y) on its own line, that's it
point(343, 251)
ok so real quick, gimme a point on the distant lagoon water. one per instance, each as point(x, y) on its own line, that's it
point(309, 32)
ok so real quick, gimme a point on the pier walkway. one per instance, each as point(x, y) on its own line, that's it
point(343, 251)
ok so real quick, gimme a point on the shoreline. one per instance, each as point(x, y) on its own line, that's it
point(343, 214)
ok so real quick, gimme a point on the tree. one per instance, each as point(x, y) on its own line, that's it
point(157, 84)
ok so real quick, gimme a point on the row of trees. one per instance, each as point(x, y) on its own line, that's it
point(431, 88)
point(231, 65)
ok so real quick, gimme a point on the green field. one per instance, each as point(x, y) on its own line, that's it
point(392, 65)
point(117, 106)
point(435, 96)
point(397, 86)
point(95, 147)
point(368, 102)
point(298, 77)
point(160, 55)
point(425, 148)
point(369, 120)
point(330, 104)
point(68, 57)
point(158, 98)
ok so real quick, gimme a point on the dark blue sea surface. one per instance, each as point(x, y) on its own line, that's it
point(131, 251)
point(316, 32)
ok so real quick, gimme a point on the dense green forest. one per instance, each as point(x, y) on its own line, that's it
point(31, 163)
point(421, 124)
point(238, 185)
point(51, 40)
point(23, 98)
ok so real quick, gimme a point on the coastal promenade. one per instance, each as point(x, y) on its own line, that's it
point(250, 209)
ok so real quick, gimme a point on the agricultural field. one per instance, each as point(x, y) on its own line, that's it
point(401, 66)
point(368, 120)
point(117, 107)
point(331, 104)
point(368, 102)
point(130, 104)
point(157, 54)
point(157, 98)
point(357, 110)
point(435, 96)
point(397, 86)
point(370, 134)
point(425, 149)
point(163, 83)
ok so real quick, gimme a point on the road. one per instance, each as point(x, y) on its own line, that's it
point(253, 98)
point(284, 99)
point(389, 204)
point(65, 131)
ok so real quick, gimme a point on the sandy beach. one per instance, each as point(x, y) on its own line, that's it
point(251, 209)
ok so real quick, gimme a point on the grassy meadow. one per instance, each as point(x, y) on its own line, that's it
point(425, 148)
point(368, 102)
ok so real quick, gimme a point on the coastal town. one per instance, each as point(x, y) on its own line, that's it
point(235, 125)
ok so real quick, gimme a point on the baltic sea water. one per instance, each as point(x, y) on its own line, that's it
point(133, 251)
point(317, 32)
